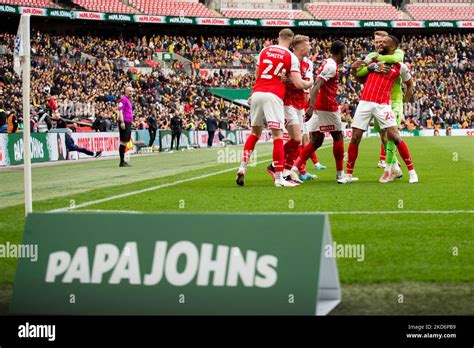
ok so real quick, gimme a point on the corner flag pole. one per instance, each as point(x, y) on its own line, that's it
point(23, 67)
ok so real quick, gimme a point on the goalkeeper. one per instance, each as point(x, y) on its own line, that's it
point(388, 148)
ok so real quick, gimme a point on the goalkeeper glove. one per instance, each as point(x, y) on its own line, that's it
point(379, 67)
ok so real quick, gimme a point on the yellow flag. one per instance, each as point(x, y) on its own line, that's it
point(129, 146)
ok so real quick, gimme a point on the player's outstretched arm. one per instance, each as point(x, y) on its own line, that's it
point(359, 71)
point(409, 92)
point(363, 71)
point(397, 57)
point(312, 97)
point(298, 82)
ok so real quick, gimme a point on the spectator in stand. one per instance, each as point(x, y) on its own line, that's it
point(3, 121)
point(12, 122)
point(82, 89)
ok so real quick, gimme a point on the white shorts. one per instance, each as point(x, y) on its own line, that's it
point(367, 110)
point(267, 106)
point(324, 121)
point(304, 127)
point(294, 116)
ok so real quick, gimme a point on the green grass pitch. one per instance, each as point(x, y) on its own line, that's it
point(428, 257)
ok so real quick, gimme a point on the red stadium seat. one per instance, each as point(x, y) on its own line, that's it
point(353, 12)
point(282, 14)
point(455, 12)
point(174, 8)
point(116, 6)
point(32, 3)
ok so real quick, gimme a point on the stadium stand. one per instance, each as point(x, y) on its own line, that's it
point(354, 12)
point(441, 64)
point(445, 12)
point(437, 2)
point(114, 6)
point(258, 4)
point(276, 9)
point(32, 3)
point(277, 14)
point(173, 8)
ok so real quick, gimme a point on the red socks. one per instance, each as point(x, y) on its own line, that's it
point(353, 152)
point(305, 154)
point(249, 147)
point(314, 158)
point(383, 155)
point(302, 169)
point(338, 152)
point(278, 155)
point(291, 153)
point(405, 154)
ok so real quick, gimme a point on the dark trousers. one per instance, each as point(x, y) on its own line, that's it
point(81, 149)
point(177, 136)
point(152, 136)
point(210, 139)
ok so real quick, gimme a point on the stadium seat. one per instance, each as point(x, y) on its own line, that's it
point(32, 3)
point(277, 14)
point(114, 6)
point(442, 1)
point(455, 12)
point(354, 12)
point(173, 8)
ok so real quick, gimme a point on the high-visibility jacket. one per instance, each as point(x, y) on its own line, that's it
point(10, 124)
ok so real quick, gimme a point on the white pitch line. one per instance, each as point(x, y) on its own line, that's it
point(128, 194)
point(375, 212)
point(371, 212)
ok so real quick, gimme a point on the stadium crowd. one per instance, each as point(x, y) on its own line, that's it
point(81, 77)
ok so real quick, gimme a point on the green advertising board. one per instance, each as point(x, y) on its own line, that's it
point(403, 132)
point(232, 93)
point(176, 264)
point(40, 149)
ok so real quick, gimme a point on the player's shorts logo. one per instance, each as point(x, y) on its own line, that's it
point(329, 128)
point(274, 125)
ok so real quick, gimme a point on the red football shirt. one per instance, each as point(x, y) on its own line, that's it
point(297, 97)
point(326, 99)
point(378, 87)
point(272, 62)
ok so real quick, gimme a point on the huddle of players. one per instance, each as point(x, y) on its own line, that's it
point(278, 97)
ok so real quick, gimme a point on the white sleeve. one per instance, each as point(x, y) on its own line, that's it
point(404, 72)
point(329, 71)
point(309, 72)
point(295, 64)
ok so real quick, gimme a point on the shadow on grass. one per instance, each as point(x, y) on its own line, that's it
point(419, 298)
